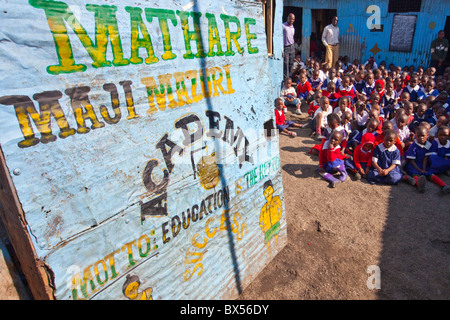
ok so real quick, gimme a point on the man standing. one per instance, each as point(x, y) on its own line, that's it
point(289, 50)
point(330, 38)
point(439, 50)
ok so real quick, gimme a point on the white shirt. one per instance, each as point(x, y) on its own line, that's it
point(330, 35)
point(286, 91)
point(324, 115)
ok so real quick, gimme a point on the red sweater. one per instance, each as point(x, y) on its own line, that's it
point(361, 156)
point(303, 88)
point(279, 118)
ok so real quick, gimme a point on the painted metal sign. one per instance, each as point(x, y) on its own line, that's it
point(133, 133)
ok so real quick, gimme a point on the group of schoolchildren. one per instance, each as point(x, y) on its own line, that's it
point(382, 123)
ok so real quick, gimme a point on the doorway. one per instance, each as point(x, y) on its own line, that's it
point(320, 18)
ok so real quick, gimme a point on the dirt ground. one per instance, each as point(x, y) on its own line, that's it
point(335, 235)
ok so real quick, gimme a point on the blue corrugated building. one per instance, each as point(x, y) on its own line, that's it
point(396, 31)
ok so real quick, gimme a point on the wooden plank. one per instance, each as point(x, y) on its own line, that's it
point(15, 224)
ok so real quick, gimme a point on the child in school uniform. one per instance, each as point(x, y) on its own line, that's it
point(418, 164)
point(359, 82)
point(304, 90)
point(389, 101)
point(280, 119)
point(315, 81)
point(386, 162)
point(331, 160)
point(413, 89)
point(388, 126)
point(333, 124)
point(369, 86)
point(332, 78)
point(331, 94)
point(440, 162)
point(315, 104)
point(362, 157)
point(347, 89)
point(429, 89)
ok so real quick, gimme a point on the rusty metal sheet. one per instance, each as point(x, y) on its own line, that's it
point(133, 133)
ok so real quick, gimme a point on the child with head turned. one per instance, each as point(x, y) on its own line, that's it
point(440, 162)
point(280, 119)
point(375, 113)
point(386, 161)
point(361, 162)
point(331, 160)
point(418, 165)
point(315, 104)
point(442, 121)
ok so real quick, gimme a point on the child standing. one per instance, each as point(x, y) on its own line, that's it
point(280, 119)
point(386, 161)
point(331, 160)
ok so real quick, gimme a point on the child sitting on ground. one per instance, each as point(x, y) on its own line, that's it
point(319, 120)
point(331, 160)
point(280, 119)
point(331, 94)
point(403, 132)
point(360, 116)
point(315, 104)
point(304, 90)
point(389, 101)
point(289, 94)
point(347, 89)
point(418, 164)
point(362, 157)
point(333, 124)
point(387, 126)
point(386, 161)
point(440, 162)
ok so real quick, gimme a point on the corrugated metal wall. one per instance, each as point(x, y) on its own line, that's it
point(358, 42)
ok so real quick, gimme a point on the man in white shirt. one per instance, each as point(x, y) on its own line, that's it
point(330, 38)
